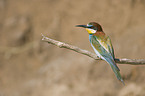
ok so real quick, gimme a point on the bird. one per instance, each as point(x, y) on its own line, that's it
point(102, 46)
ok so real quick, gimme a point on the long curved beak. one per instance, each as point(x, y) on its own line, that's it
point(84, 26)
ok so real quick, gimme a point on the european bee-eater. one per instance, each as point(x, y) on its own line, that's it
point(102, 46)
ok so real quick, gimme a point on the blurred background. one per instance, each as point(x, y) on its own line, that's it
point(30, 67)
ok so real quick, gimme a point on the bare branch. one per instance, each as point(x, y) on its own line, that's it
point(92, 55)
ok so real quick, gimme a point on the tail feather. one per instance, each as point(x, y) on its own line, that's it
point(117, 74)
point(111, 62)
point(115, 69)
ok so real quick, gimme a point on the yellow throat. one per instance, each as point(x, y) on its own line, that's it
point(91, 31)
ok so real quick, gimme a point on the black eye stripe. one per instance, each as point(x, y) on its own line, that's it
point(91, 27)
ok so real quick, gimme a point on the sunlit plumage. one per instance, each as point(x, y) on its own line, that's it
point(102, 46)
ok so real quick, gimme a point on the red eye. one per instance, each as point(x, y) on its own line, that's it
point(92, 27)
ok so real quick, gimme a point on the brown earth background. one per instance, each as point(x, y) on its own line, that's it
point(30, 67)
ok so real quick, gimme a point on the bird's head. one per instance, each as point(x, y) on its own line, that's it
point(92, 27)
